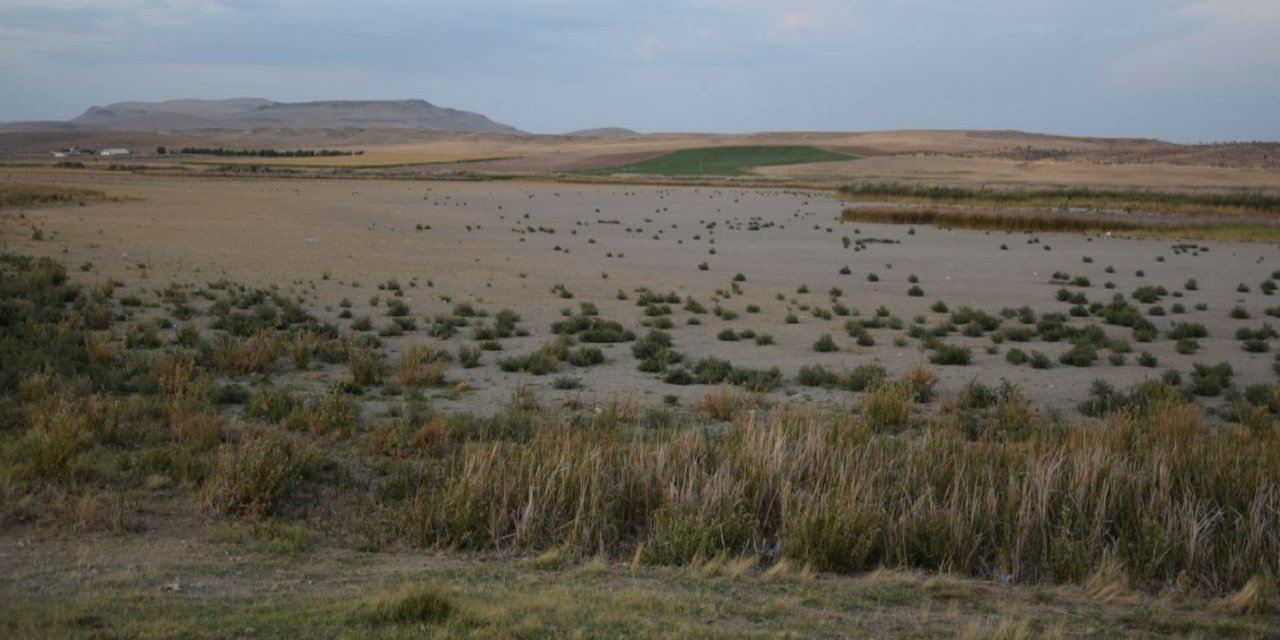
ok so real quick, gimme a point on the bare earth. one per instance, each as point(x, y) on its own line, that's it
point(480, 249)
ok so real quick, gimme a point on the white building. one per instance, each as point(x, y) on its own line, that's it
point(114, 152)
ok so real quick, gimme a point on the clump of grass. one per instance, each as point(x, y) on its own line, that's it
point(414, 604)
point(1256, 598)
point(423, 366)
point(257, 353)
point(889, 403)
point(256, 478)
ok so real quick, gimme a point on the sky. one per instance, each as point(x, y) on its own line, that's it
point(1180, 70)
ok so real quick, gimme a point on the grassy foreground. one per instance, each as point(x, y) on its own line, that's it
point(238, 590)
point(724, 161)
point(737, 513)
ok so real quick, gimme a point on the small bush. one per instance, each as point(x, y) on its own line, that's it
point(825, 344)
point(888, 404)
point(421, 604)
point(422, 366)
point(951, 355)
point(258, 477)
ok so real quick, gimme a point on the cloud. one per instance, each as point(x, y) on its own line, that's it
point(1226, 40)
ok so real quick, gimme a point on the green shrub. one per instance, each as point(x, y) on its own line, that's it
point(825, 344)
point(951, 355)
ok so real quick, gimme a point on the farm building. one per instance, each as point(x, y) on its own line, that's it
point(114, 152)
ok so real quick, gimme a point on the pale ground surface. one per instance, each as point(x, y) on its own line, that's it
point(362, 232)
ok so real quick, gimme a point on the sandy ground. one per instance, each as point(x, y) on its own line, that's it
point(479, 249)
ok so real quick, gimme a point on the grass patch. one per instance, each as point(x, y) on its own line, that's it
point(31, 195)
point(1044, 222)
point(724, 161)
point(1118, 199)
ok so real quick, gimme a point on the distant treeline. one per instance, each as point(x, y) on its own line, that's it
point(1092, 198)
point(269, 153)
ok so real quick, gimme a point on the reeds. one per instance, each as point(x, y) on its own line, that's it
point(1047, 222)
point(987, 220)
point(1117, 199)
point(1158, 494)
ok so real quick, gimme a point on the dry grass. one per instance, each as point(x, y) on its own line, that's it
point(255, 354)
point(1047, 222)
point(423, 366)
point(30, 195)
point(1257, 597)
point(1041, 506)
point(369, 160)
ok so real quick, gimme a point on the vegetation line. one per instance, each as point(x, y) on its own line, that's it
point(28, 195)
point(1060, 223)
point(1127, 200)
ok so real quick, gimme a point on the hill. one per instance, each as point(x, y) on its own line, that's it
point(257, 113)
point(602, 132)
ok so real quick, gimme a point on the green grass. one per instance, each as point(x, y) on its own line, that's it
point(724, 161)
point(403, 595)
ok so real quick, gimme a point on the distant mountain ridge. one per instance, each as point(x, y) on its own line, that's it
point(258, 113)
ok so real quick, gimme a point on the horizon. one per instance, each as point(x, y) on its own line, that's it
point(1184, 71)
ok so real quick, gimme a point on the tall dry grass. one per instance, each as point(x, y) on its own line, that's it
point(1160, 496)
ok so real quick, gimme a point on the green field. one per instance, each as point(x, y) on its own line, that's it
point(724, 161)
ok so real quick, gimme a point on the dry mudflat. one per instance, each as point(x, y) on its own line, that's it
point(771, 259)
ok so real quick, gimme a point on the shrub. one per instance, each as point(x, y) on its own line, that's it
point(1181, 330)
point(816, 376)
point(888, 404)
point(1209, 381)
point(825, 344)
point(1015, 357)
point(951, 355)
point(257, 478)
point(469, 357)
point(257, 353)
point(1040, 361)
point(566, 383)
point(546, 359)
point(422, 366)
point(367, 364)
point(712, 370)
point(1080, 355)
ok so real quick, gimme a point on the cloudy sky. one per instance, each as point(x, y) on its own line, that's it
point(1185, 70)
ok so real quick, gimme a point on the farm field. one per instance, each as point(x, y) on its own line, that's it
point(369, 160)
point(724, 161)
point(488, 400)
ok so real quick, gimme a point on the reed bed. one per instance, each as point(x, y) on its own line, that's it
point(1046, 222)
point(1118, 199)
point(1165, 497)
